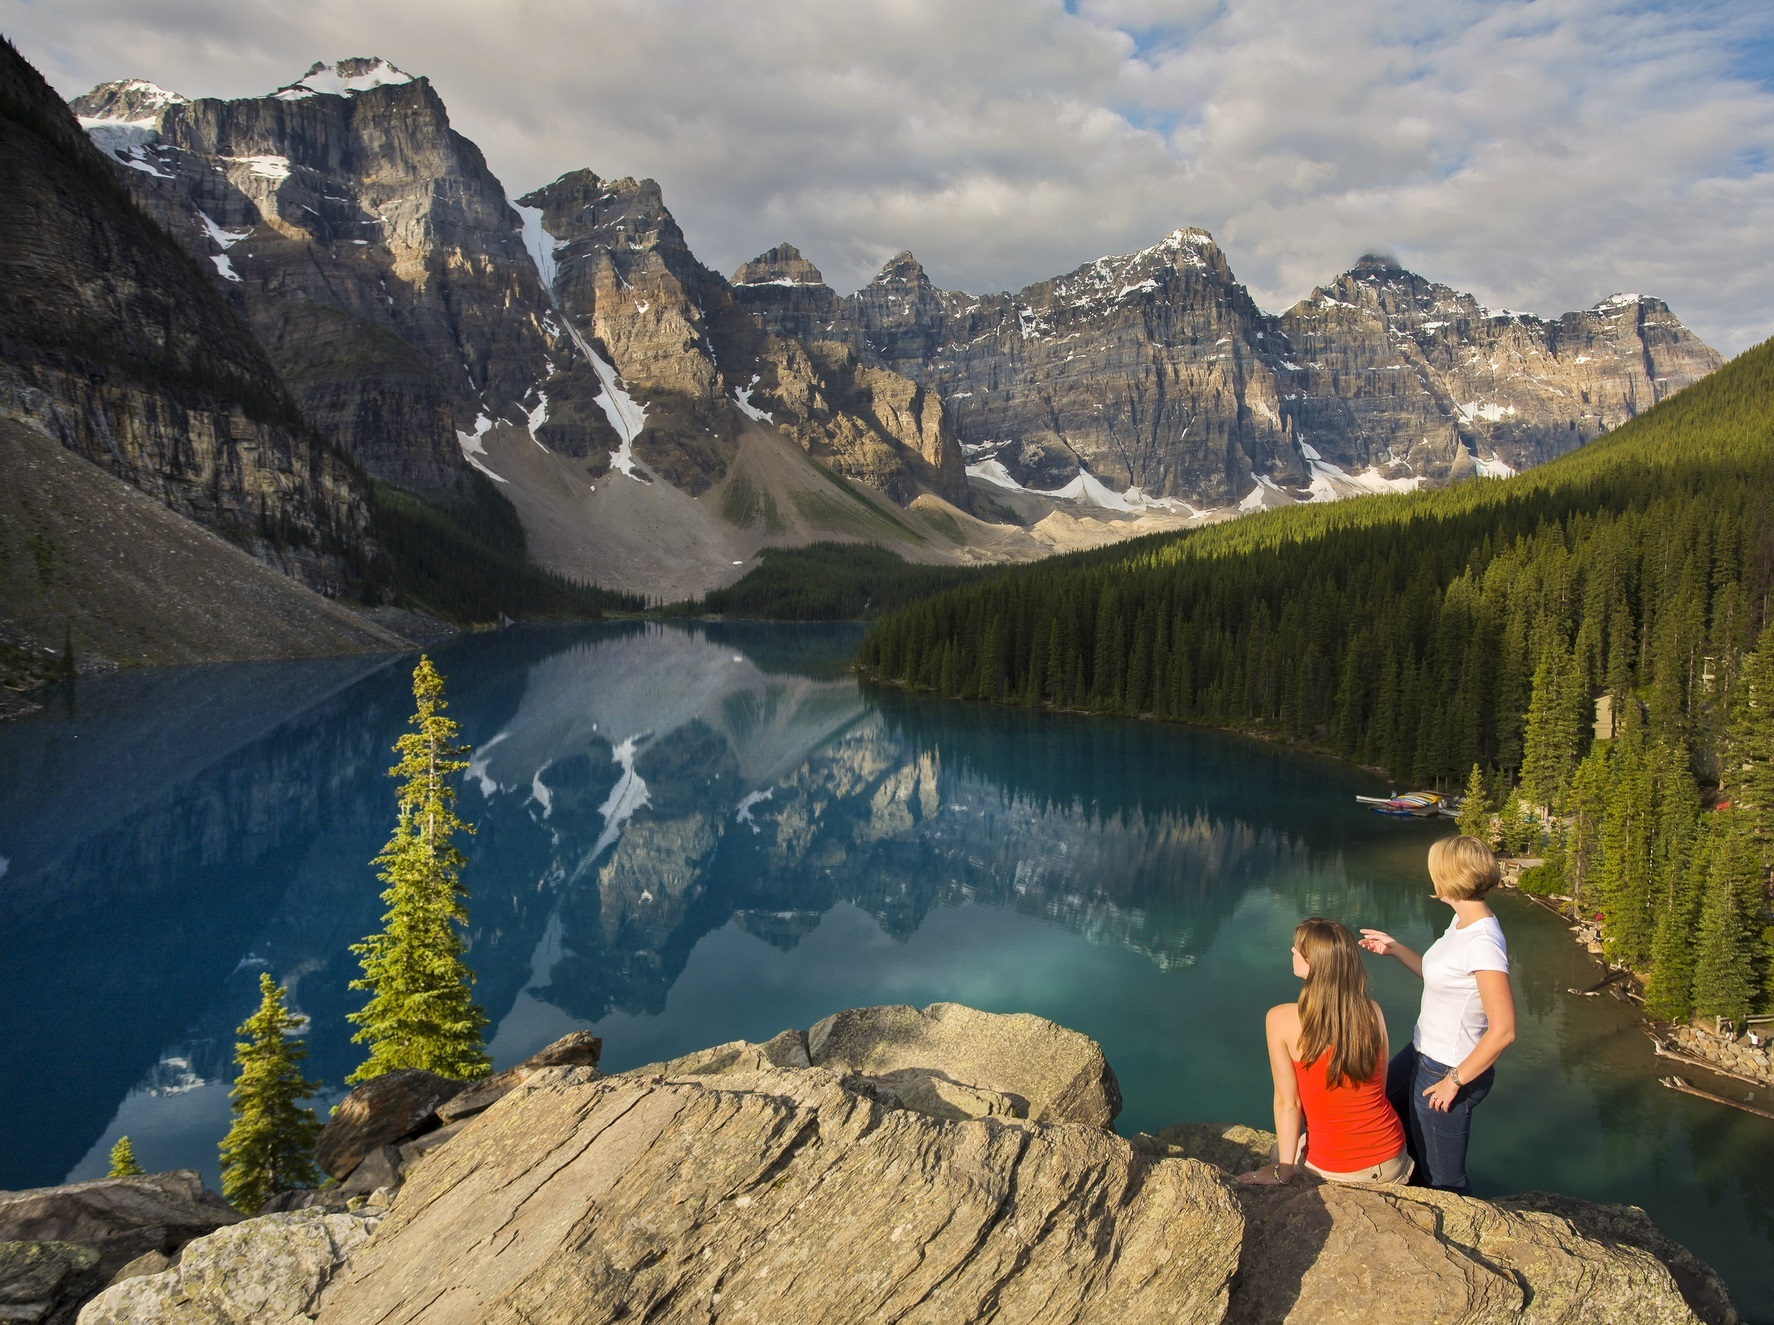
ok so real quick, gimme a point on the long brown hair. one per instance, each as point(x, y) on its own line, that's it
point(1335, 1013)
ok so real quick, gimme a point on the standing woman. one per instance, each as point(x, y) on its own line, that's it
point(1467, 1018)
point(1327, 1055)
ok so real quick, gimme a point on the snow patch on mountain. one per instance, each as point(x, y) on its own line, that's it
point(540, 245)
point(1334, 483)
point(1493, 466)
point(265, 167)
point(626, 797)
point(473, 448)
point(538, 417)
point(742, 398)
point(346, 78)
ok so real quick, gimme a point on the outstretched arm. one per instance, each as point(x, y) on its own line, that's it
point(1382, 944)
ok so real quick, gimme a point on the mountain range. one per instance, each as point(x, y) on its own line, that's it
point(402, 324)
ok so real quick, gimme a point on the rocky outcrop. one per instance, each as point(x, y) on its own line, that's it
point(1046, 1072)
point(1156, 370)
point(748, 1182)
point(112, 342)
point(117, 1218)
point(389, 1121)
point(267, 1271)
point(1331, 1252)
point(946, 1060)
point(784, 1196)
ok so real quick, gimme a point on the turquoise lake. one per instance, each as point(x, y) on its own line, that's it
point(694, 834)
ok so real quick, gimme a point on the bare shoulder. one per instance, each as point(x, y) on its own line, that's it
point(1283, 1017)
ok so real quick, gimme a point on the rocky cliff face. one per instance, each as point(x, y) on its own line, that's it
point(368, 245)
point(112, 342)
point(410, 307)
point(416, 314)
point(702, 363)
point(1156, 370)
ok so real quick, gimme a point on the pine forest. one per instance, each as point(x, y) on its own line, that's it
point(1586, 643)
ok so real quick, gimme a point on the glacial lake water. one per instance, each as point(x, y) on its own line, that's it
point(694, 834)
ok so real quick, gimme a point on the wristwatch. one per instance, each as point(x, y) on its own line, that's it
point(1454, 1076)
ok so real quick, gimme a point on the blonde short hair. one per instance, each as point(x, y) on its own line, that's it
point(1462, 868)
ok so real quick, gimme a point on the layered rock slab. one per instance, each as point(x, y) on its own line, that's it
point(781, 1195)
point(1320, 1253)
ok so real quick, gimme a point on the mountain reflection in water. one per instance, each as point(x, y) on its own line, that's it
point(688, 834)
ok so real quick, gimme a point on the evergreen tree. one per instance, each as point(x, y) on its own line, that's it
point(1726, 977)
point(123, 1160)
point(1475, 810)
point(1669, 993)
point(1554, 727)
point(1518, 832)
point(421, 1012)
point(269, 1149)
point(1749, 751)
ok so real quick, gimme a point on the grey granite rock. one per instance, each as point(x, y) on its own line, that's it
point(266, 1271)
point(119, 1218)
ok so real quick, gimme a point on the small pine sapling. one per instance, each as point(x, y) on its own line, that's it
point(123, 1160)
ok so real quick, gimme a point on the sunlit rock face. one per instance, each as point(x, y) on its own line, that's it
point(374, 255)
point(114, 346)
point(1156, 370)
point(684, 343)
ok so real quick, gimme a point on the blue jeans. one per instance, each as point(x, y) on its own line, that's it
point(1437, 1141)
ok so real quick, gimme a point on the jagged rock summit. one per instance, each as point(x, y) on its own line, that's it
point(433, 329)
point(799, 1180)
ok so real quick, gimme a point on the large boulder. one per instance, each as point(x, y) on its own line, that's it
point(119, 1218)
point(946, 1060)
point(266, 1271)
point(1049, 1073)
point(44, 1283)
point(1317, 1252)
point(785, 1195)
point(383, 1111)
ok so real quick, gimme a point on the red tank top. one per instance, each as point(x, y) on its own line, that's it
point(1351, 1126)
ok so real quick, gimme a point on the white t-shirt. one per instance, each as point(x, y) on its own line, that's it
point(1452, 1019)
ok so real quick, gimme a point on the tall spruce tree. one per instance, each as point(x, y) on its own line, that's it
point(269, 1149)
point(421, 1012)
point(1554, 726)
point(1748, 776)
point(1726, 978)
point(1669, 993)
point(1475, 809)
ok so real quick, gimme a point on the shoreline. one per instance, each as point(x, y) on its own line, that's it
point(1629, 989)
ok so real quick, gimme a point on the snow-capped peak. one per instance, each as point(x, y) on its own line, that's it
point(344, 78)
point(132, 101)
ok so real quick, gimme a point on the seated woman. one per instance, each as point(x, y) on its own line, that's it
point(1327, 1053)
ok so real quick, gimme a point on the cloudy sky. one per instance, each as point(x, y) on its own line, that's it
point(1542, 155)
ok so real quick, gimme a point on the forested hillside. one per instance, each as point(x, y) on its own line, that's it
point(1474, 627)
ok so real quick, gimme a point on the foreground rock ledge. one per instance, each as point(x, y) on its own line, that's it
point(781, 1196)
point(747, 1184)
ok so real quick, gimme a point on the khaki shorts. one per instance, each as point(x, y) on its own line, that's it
point(1396, 1170)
